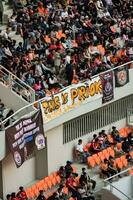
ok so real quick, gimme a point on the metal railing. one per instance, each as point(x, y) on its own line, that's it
point(112, 187)
point(31, 105)
point(17, 85)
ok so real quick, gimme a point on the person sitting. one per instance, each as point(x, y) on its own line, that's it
point(125, 145)
point(115, 135)
point(101, 139)
point(22, 194)
point(91, 182)
point(104, 168)
point(129, 159)
point(84, 193)
point(111, 166)
point(2, 107)
point(70, 184)
point(96, 146)
point(41, 196)
point(62, 172)
point(130, 139)
point(79, 149)
point(69, 169)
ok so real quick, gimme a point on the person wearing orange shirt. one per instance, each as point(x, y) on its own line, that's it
point(104, 168)
point(41, 9)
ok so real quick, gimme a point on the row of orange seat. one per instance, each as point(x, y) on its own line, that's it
point(123, 132)
point(119, 163)
point(47, 185)
point(97, 158)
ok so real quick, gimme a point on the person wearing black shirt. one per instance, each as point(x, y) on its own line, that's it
point(41, 196)
point(125, 146)
point(130, 139)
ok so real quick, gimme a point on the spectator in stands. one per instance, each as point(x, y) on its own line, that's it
point(130, 138)
point(53, 197)
point(125, 145)
point(101, 139)
point(41, 196)
point(105, 168)
point(62, 172)
point(84, 195)
point(71, 187)
point(2, 107)
point(9, 121)
point(13, 196)
point(22, 194)
point(91, 182)
point(79, 148)
point(96, 146)
point(61, 194)
point(129, 159)
point(69, 169)
point(115, 135)
point(111, 166)
point(8, 197)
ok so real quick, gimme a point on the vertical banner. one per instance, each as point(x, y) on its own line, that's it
point(107, 86)
point(121, 76)
point(24, 136)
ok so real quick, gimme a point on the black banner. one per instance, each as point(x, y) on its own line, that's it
point(107, 85)
point(24, 136)
point(121, 76)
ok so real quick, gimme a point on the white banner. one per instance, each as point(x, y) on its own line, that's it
point(71, 97)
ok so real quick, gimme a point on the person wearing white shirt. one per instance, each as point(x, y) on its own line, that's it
point(81, 152)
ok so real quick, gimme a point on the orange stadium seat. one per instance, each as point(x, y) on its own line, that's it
point(91, 162)
point(119, 163)
point(58, 179)
point(96, 159)
point(131, 154)
point(128, 129)
point(124, 161)
point(101, 156)
point(106, 153)
point(123, 132)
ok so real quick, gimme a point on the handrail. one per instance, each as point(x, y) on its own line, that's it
point(120, 191)
point(40, 100)
point(14, 76)
point(122, 172)
point(20, 82)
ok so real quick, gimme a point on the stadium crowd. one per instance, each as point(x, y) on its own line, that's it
point(66, 41)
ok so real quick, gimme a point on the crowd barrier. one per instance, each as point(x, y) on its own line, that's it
point(15, 84)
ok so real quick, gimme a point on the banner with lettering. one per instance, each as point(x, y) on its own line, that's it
point(121, 76)
point(24, 136)
point(71, 97)
point(107, 86)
